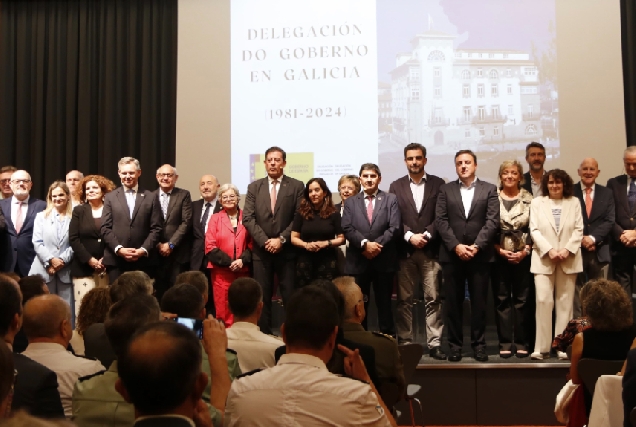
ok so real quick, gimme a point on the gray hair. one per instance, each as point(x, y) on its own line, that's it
point(225, 187)
point(127, 161)
point(630, 150)
point(174, 170)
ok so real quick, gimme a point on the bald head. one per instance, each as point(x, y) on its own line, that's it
point(47, 317)
point(208, 185)
point(588, 171)
point(354, 310)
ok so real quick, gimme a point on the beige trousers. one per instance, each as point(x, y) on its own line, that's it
point(558, 287)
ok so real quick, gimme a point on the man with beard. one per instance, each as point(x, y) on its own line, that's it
point(535, 156)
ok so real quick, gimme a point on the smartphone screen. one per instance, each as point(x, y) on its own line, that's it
point(194, 325)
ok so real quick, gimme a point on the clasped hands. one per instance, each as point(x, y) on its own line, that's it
point(588, 243)
point(316, 246)
point(164, 249)
point(466, 252)
point(97, 264)
point(513, 257)
point(131, 254)
point(372, 250)
point(558, 255)
point(55, 265)
point(418, 240)
point(628, 238)
point(273, 245)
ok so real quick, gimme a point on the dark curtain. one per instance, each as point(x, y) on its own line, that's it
point(84, 83)
point(628, 38)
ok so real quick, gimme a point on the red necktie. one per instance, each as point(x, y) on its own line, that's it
point(588, 201)
point(19, 220)
point(272, 195)
point(370, 208)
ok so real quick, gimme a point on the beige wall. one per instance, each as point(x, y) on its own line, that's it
point(589, 82)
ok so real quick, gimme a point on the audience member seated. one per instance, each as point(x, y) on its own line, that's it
point(388, 362)
point(30, 286)
point(96, 344)
point(197, 279)
point(609, 309)
point(95, 400)
point(335, 365)
point(92, 309)
point(47, 324)
point(300, 389)
point(629, 387)
point(255, 350)
point(36, 387)
point(160, 374)
point(186, 301)
point(7, 376)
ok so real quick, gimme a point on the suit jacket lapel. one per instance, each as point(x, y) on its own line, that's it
point(622, 193)
point(139, 199)
point(428, 190)
point(30, 214)
point(479, 188)
point(406, 188)
point(547, 211)
point(173, 200)
point(458, 198)
point(578, 193)
point(121, 195)
point(282, 191)
point(566, 209)
point(7, 216)
point(379, 202)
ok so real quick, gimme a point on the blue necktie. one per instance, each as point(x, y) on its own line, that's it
point(165, 198)
point(631, 195)
point(130, 199)
point(204, 218)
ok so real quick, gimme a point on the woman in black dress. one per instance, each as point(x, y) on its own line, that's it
point(317, 232)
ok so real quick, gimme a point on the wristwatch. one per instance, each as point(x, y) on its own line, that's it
point(171, 246)
point(282, 239)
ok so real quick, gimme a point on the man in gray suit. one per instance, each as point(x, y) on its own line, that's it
point(131, 223)
point(173, 249)
point(270, 206)
point(467, 219)
point(371, 224)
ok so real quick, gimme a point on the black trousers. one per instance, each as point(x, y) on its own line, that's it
point(510, 287)
point(114, 271)
point(267, 267)
point(456, 274)
point(592, 269)
point(623, 263)
point(166, 272)
point(382, 289)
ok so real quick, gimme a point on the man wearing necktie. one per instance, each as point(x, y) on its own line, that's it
point(270, 205)
point(623, 247)
point(597, 208)
point(173, 250)
point(371, 223)
point(131, 223)
point(202, 211)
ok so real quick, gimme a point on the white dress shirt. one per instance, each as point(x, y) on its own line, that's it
point(300, 391)
point(68, 367)
point(417, 189)
point(254, 349)
point(270, 182)
point(467, 194)
point(14, 209)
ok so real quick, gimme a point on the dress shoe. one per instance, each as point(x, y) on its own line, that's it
point(505, 354)
point(536, 356)
point(437, 353)
point(521, 354)
point(480, 355)
point(562, 355)
point(455, 356)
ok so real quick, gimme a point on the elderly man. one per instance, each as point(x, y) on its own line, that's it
point(47, 324)
point(597, 208)
point(202, 210)
point(5, 181)
point(255, 350)
point(73, 179)
point(19, 212)
point(131, 223)
point(388, 362)
point(173, 250)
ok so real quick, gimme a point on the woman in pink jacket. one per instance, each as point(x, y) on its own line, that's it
point(228, 248)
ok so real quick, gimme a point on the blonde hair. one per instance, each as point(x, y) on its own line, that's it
point(507, 164)
point(49, 198)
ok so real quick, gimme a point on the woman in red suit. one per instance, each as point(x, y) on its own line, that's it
point(228, 248)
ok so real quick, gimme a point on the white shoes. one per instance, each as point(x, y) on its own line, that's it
point(562, 355)
point(536, 356)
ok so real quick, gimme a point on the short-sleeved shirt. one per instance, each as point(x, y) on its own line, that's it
point(317, 228)
point(300, 391)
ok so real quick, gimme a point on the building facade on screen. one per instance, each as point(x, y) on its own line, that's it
point(442, 96)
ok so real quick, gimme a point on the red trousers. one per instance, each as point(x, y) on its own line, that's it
point(222, 278)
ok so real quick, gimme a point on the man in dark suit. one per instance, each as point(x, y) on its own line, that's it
point(19, 212)
point(624, 231)
point(173, 249)
point(131, 223)
point(535, 156)
point(419, 249)
point(467, 221)
point(597, 208)
point(35, 386)
point(270, 206)
point(202, 211)
point(371, 224)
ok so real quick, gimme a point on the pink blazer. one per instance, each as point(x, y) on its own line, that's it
point(221, 235)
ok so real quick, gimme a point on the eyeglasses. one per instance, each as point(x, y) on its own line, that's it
point(365, 298)
point(20, 181)
point(228, 198)
point(165, 175)
point(4, 181)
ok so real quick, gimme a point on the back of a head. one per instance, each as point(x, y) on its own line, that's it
point(130, 283)
point(194, 278)
point(10, 305)
point(159, 367)
point(32, 286)
point(43, 316)
point(331, 289)
point(184, 300)
point(243, 296)
point(350, 292)
point(310, 318)
point(94, 308)
point(127, 317)
point(607, 305)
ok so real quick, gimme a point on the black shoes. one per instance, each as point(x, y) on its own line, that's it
point(455, 356)
point(437, 353)
point(480, 355)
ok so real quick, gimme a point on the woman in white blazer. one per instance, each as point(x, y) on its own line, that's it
point(51, 243)
point(556, 227)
